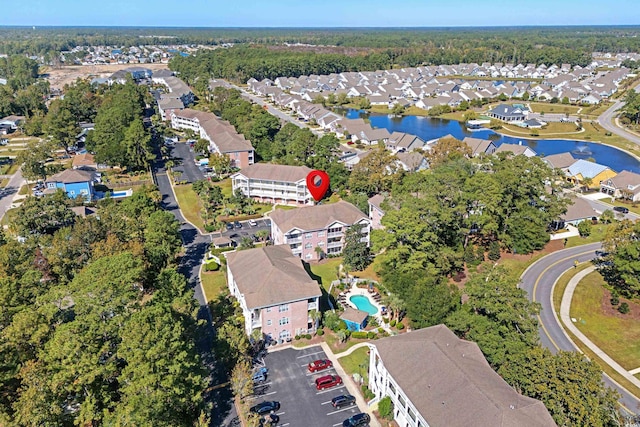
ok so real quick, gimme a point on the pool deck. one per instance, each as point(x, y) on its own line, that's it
point(354, 290)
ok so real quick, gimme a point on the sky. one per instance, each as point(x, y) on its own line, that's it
point(320, 13)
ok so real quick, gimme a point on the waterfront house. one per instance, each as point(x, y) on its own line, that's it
point(274, 290)
point(509, 113)
point(583, 170)
point(480, 146)
point(517, 149)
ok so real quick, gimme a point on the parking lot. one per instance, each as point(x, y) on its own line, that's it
point(247, 230)
point(290, 383)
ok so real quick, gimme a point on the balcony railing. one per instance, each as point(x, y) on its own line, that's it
point(312, 306)
point(294, 240)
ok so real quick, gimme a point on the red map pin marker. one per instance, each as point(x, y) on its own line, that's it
point(318, 184)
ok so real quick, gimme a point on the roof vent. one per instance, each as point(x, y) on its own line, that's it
point(512, 407)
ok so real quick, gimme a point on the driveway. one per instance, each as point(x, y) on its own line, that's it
point(538, 280)
point(247, 230)
point(185, 162)
point(291, 384)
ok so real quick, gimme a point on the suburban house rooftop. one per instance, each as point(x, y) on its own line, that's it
point(271, 275)
point(451, 384)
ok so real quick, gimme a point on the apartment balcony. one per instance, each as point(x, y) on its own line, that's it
point(334, 245)
point(312, 306)
point(294, 240)
point(337, 234)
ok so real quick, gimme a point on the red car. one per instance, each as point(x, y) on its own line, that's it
point(319, 365)
point(328, 381)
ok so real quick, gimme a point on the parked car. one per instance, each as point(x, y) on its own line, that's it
point(237, 224)
point(343, 400)
point(328, 381)
point(229, 226)
point(621, 209)
point(319, 365)
point(265, 407)
point(260, 375)
point(269, 420)
point(253, 223)
point(357, 420)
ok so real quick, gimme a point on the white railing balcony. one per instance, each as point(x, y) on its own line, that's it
point(334, 244)
point(312, 306)
point(294, 240)
point(335, 234)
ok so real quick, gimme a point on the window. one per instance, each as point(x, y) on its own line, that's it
point(308, 235)
point(321, 233)
point(307, 245)
point(284, 321)
point(320, 243)
point(269, 322)
point(283, 307)
point(268, 309)
point(307, 256)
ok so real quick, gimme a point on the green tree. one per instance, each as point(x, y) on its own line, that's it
point(137, 145)
point(584, 228)
point(44, 215)
point(398, 109)
point(621, 241)
point(385, 408)
point(445, 150)
point(61, 125)
point(374, 173)
point(356, 253)
point(201, 146)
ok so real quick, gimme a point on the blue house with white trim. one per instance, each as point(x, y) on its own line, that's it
point(74, 182)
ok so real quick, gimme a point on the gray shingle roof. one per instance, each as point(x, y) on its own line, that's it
point(317, 217)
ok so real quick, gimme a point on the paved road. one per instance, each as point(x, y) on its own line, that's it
point(601, 206)
point(606, 121)
point(538, 281)
point(196, 245)
point(273, 110)
point(7, 193)
point(185, 162)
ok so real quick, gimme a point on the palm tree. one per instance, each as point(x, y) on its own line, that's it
point(315, 315)
point(394, 304)
point(342, 335)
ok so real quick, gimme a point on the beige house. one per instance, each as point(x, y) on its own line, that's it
point(274, 290)
point(625, 185)
point(436, 379)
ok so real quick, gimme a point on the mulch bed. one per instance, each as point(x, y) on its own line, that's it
point(612, 311)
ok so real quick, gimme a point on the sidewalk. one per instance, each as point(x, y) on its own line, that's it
point(354, 389)
point(573, 232)
point(565, 305)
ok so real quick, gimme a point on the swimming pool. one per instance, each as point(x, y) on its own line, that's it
point(363, 303)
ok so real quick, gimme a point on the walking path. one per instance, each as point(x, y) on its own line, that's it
point(565, 306)
point(573, 231)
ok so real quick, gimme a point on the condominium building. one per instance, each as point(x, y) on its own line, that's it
point(434, 379)
point(274, 290)
point(313, 231)
point(276, 184)
point(222, 136)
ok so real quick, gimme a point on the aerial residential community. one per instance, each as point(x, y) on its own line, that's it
point(363, 218)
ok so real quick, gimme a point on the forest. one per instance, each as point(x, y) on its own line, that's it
point(96, 325)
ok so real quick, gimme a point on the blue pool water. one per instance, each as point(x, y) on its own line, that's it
point(119, 194)
point(429, 129)
point(363, 304)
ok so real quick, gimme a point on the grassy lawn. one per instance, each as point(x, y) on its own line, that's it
point(226, 187)
point(561, 285)
point(213, 282)
point(617, 335)
point(189, 204)
point(24, 190)
point(286, 207)
point(356, 362)
point(551, 129)
point(539, 107)
point(325, 272)
point(4, 182)
point(597, 234)
point(519, 265)
point(332, 340)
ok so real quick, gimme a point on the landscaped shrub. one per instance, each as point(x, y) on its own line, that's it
point(494, 251)
point(368, 394)
point(359, 334)
point(297, 337)
point(385, 408)
point(371, 335)
point(380, 330)
point(584, 228)
point(392, 323)
point(211, 266)
point(624, 308)
point(401, 326)
point(308, 336)
point(615, 298)
point(386, 320)
point(320, 332)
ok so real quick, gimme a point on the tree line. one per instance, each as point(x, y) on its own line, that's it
point(97, 327)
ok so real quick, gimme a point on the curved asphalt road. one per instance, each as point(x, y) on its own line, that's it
point(538, 281)
point(606, 121)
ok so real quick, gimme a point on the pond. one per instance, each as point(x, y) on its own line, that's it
point(429, 128)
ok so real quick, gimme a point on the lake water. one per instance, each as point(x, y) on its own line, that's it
point(429, 129)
